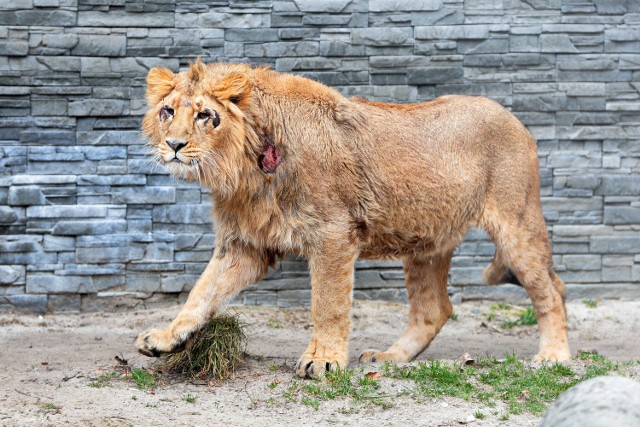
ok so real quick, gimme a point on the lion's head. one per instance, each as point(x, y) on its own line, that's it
point(197, 122)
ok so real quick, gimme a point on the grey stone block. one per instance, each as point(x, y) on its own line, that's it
point(10, 274)
point(95, 107)
point(506, 292)
point(619, 274)
point(262, 35)
point(145, 283)
point(330, 6)
point(434, 75)
point(341, 48)
point(100, 45)
point(145, 195)
point(120, 18)
point(444, 16)
point(452, 32)
point(619, 185)
point(58, 243)
point(92, 227)
point(466, 275)
point(7, 215)
point(626, 244)
point(40, 17)
point(294, 298)
point(393, 295)
point(280, 49)
point(404, 5)
point(381, 36)
point(28, 303)
point(109, 254)
point(26, 196)
point(185, 214)
point(72, 211)
point(52, 284)
point(35, 179)
point(282, 284)
point(64, 303)
point(20, 246)
point(229, 20)
point(265, 298)
point(178, 283)
point(621, 215)
point(14, 48)
point(582, 262)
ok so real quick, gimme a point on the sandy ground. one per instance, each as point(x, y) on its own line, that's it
point(48, 362)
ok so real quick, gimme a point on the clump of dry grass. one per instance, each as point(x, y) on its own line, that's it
point(214, 352)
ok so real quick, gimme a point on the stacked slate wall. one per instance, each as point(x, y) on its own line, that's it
point(87, 221)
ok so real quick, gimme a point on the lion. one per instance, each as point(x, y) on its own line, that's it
point(293, 166)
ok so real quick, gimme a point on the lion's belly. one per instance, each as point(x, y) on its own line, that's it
point(399, 243)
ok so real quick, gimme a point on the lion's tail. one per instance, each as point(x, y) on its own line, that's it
point(497, 272)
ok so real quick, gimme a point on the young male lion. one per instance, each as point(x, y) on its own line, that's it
point(294, 166)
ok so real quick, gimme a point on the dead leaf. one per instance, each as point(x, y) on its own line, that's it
point(467, 360)
point(277, 380)
point(373, 375)
point(45, 363)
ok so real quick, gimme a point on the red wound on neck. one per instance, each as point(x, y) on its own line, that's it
point(270, 157)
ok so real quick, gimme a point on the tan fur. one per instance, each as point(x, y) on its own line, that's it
point(356, 179)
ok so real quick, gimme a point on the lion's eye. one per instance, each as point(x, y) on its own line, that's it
point(209, 115)
point(166, 112)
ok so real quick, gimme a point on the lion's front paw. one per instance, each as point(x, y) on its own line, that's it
point(381, 356)
point(156, 342)
point(319, 359)
point(315, 367)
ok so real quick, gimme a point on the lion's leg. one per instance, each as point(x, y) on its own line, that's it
point(331, 290)
point(525, 246)
point(429, 310)
point(231, 269)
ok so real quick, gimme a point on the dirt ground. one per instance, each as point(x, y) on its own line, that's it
point(48, 362)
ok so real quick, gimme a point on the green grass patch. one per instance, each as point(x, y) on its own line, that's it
point(215, 352)
point(524, 389)
point(144, 379)
point(315, 404)
point(50, 407)
point(591, 303)
point(104, 380)
point(274, 324)
point(434, 378)
point(189, 398)
point(344, 383)
point(520, 386)
point(526, 317)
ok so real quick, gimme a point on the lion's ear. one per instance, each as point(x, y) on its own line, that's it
point(160, 81)
point(236, 87)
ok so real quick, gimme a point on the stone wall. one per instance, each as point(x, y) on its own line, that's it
point(87, 220)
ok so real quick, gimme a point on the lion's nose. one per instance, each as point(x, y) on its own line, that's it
point(176, 144)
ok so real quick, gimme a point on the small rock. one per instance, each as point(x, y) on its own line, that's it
point(601, 401)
